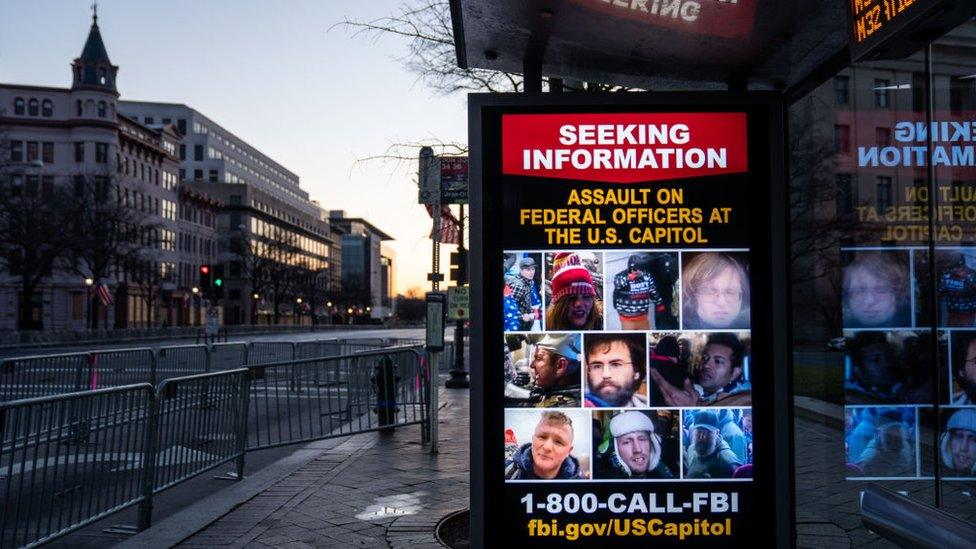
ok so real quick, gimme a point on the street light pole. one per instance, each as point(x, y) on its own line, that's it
point(459, 376)
point(89, 282)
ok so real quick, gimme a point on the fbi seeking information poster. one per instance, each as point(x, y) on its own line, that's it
point(623, 378)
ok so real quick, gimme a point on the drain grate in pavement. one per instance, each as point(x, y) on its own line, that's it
point(453, 532)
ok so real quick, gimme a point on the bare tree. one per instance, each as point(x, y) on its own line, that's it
point(821, 217)
point(32, 235)
point(310, 284)
point(282, 248)
point(403, 155)
point(267, 265)
point(255, 266)
point(146, 274)
point(431, 55)
point(105, 231)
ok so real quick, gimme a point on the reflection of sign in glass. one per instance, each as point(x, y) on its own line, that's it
point(724, 18)
point(952, 144)
point(626, 387)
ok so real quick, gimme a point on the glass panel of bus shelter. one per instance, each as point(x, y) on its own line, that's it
point(954, 137)
point(864, 354)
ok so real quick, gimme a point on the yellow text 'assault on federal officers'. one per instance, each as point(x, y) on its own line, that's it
point(618, 216)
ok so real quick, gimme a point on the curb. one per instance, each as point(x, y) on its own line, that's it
point(184, 524)
point(819, 410)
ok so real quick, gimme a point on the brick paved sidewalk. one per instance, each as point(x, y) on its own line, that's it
point(385, 490)
point(373, 490)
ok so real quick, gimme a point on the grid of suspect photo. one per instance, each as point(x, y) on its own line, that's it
point(659, 445)
point(886, 288)
point(876, 289)
point(522, 298)
point(574, 290)
point(627, 365)
point(955, 287)
point(715, 291)
point(626, 290)
point(542, 370)
point(642, 291)
point(962, 370)
point(890, 368)
point(881, 442)
point(700, 369)
point(547, 445)
point(956, 451)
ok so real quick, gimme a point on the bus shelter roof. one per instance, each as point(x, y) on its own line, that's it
point(655, 44)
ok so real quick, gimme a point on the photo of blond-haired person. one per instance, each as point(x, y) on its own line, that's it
point(547, 444)
point(876, 292)
point(714, 291)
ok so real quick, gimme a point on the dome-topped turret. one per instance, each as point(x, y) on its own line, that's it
point(93, 68)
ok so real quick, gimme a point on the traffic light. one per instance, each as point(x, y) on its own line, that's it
point(204, 278)
point(218, 282)
point(459, 266)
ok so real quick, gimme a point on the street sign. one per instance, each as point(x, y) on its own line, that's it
point(454, 179)
point(212, 326)
point(434, 337)
point(655, 225)
point(429, 177)
point(442, 179)
point(458, 302)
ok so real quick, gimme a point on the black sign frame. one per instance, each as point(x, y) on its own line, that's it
point(771, 326)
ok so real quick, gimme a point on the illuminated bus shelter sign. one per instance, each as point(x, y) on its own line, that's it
point(629, 360)
point(897, 28)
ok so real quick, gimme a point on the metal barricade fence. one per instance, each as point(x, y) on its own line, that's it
point(35, 376)
point(202, 422)
point(227, 356)
point(263, 352)
point(337, 347)
point(312, 399)
point(182, 360)
point(69, 460)
point(310, 349)
point(123, 367)
point(29, 377)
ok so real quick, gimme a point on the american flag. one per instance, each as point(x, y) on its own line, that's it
point(103, 294)
point(450, 233)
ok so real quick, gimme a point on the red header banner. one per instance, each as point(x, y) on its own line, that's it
point(624, 147)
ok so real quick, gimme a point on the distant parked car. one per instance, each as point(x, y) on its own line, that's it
point(836, 344)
